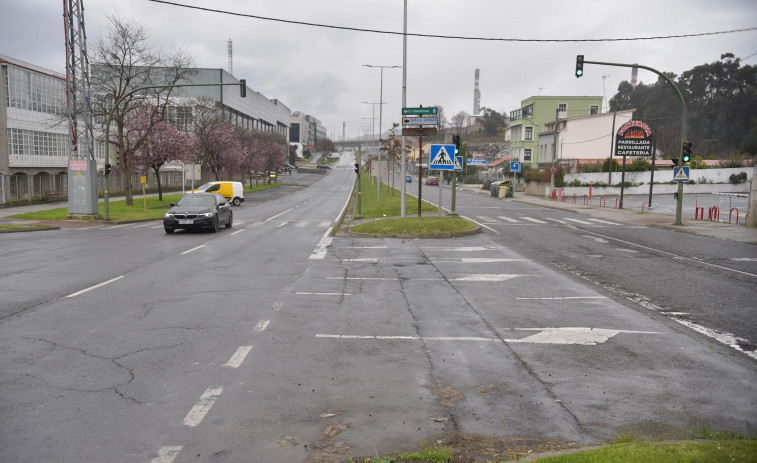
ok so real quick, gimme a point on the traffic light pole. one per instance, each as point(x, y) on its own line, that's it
point(106, 196)
point(359, 211)
point(679, 204)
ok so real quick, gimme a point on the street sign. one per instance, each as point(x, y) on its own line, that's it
point(681, 174)
point(634, 138)
point(420, 121)
point(442, 157)
point(514, 166)
point(419, 132)
point(412, 111)
point(476, 161)
point(458, 164)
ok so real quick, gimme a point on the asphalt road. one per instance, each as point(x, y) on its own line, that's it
point(273, 341)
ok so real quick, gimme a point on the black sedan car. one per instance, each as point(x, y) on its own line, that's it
point(198, 210)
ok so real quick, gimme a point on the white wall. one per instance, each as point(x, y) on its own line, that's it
point(662, 176)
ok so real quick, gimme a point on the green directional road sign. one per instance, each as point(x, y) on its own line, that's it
point(413, 111)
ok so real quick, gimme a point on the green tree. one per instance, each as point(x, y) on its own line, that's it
point(492, 121)
point(749, 143)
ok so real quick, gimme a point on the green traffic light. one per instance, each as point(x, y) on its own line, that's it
point(579, 72)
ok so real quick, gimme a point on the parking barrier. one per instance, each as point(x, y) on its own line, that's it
point(587, 198)
point(642, 207)
point(737, 215)
point(699, 213)
point(575, 198)
point(617, 201)
point(714, 214)
point(602, 201)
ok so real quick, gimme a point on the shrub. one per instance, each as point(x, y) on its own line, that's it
point(732, 162)
point(532, 175)
point(575, 182)
point(591, 168)
point(606, 165)
point(737, 178)
point(638, 165)
point(698, 163)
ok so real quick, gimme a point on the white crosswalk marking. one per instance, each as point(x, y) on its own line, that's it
point(582, 222)
point(509, 219)
point(486, 219)
point(603, 221)
point(531, 219)
point(561, 222)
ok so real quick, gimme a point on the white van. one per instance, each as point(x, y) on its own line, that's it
point(232, 191)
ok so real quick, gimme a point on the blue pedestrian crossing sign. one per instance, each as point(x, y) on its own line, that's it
point(442, 157)
point(681, 174)
point(514, 166)
point(458, 164)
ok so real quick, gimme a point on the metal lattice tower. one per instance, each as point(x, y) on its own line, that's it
point(77, 82)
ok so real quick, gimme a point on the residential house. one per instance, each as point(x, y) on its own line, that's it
point(535, 112)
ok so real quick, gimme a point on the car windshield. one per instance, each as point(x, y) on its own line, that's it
point(196, 200)
point(204, 186)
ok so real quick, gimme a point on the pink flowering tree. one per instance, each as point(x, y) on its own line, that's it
point(273, 150)
point(162, 144)
point(252, 159)
point(216, 147)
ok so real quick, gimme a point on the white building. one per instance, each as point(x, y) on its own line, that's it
point(581, 140)
point(34, 136)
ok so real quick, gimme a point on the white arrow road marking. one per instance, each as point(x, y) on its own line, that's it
point(201, 408)
point(568, 335)
point(320, 248)
point(167, 454)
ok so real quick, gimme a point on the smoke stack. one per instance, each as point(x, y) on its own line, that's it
point(476, 96)
point(231, 67)
point(634, 76)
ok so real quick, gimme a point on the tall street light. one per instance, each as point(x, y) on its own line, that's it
point(381, 108)
point(373, 138)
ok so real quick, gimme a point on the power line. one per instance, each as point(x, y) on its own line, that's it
point(457, 37)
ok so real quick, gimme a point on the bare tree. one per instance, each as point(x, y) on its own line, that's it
point(123, 61)
point(460, 120)
point(217, 146)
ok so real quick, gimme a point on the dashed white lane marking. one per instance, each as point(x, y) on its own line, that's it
point(280, 224)
point(598, 240)
point(262, 325)
point(485, 260)
point(361, 259)
point(94, 286)
point(201, 408)
point(744, 259)
point(193, 249)
point(531, 219)
point(238, 231)
point(254, 224)
point(299, 293)
point(561, 222)
point(567, 335)
point(488, 277)
point(320, 248)
point(559, 298)
point(167, 454)
point(277, 215)
point(238, 357)
point(383, 279)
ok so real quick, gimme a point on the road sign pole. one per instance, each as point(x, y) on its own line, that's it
point(441, 185)
point(420, 172)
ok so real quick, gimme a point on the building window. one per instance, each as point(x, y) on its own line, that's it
point(562, 107)
point(593, 110)
point(528, 112)
point(529, 134)
point(33, 91)
point(527, 154)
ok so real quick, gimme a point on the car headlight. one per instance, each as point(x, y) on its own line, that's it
point(206, 214)
point(168, 215)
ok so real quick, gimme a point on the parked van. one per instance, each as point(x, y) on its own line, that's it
point(232, 191)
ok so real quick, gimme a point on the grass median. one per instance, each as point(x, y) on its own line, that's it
point(388, 206)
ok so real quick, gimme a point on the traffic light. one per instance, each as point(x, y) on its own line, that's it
point(243, 88)
point(357, 168)
point(675, 195)
point(675, 163)
point(456, 141)
point(687, 151)
point(107, 169)
point(579, 65)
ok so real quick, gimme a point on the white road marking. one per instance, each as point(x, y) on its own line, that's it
point(300, 293)
point(95, 286)
point(144, 225)
point(320, 248)
point(603, 221)
point(559, 298)
point(238, 231)
point(485, 260)
point(598, 240)
point(280, 224)
point(301, 224)
point(238, 357)
point(254, 224)
point(561, 222)
point(262, 325)
point(167, 454)
point(361, 259)
point(671, 254)
point(634, 251)
point(325, 224)
point(531, 219)
point(113, 227)
point(509, 219)
point(745, 259)
point(726, 338)
point(193, 249)
point(277, 215)
point(582, 222)
point(460, 249)
point(488, 277)
point(201, 408)
point(366, 247)
point(561, 336)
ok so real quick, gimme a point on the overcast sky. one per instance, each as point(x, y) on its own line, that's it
point(319, 71)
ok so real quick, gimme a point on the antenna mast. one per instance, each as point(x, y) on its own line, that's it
point(231, 67)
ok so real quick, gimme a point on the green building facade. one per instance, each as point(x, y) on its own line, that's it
point(527, 122)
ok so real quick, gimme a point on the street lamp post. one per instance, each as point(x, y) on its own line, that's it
point(381, 110)
point(373, 140)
